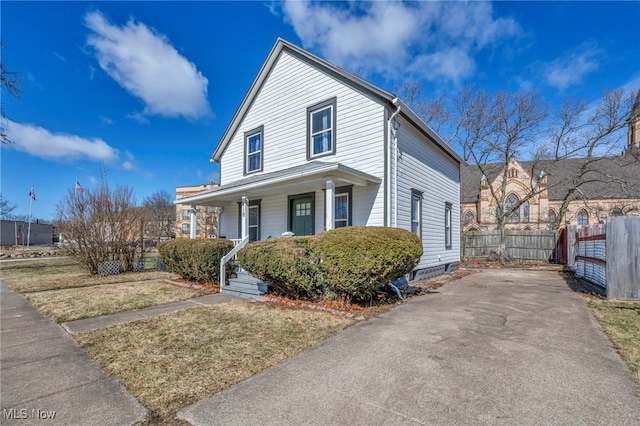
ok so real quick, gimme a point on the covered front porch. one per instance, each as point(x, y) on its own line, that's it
point(301, 200)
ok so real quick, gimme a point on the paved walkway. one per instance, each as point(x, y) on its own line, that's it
point(44, 374)
point(498, 347)
point(80, 326)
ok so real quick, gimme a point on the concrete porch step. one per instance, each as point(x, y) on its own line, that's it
point(244, 285)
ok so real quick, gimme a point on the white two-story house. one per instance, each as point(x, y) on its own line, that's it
point(313, 147)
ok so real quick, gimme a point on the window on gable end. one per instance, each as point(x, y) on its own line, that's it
point(253, 148)
point(321, 132)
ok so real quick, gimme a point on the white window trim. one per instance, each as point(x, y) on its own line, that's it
point(248, 135)
point(418, 196)
point(328, 104)
point(335, 217)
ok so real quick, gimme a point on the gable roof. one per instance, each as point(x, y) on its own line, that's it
point(373, 91)
point(605, 172)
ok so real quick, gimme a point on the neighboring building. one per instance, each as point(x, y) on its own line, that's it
point(613, 189)
point(17, 232)
point(206, 216)
point(314, 147)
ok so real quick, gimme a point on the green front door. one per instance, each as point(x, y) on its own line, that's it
point(302, 216)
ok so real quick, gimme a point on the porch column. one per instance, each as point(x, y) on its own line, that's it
point(330, 204)
point(244, 222)
point(194, 223)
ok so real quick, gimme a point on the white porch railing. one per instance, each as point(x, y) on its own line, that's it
point(238, 244)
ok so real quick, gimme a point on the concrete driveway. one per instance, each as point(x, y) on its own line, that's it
point(496, 347)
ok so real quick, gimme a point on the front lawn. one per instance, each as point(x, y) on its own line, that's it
point(193, 354)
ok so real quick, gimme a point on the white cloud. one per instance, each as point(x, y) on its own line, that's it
point(433, 40)
point(571, 67)
point(42, 143)
point(106, 120)
point(145, 64)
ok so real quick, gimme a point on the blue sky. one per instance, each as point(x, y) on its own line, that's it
point(148, 88)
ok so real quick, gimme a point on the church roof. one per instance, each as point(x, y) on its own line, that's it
point(607, 178)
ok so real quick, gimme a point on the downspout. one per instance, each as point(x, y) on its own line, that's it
point(392, 151)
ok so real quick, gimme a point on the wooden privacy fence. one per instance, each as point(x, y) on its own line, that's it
point(608, 256)
point(525, 245)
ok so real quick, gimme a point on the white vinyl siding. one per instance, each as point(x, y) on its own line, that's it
point(426, 168)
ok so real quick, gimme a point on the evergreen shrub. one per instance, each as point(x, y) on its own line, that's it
point(288, 265)
point(195, 260)
point(346, 263)
point(357, 260)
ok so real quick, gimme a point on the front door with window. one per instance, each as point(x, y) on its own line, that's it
point(301, 211)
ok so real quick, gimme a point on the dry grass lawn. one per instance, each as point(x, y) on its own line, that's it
point(621, 322)
point(87, 302)
point(29, 276)
point(172, 361)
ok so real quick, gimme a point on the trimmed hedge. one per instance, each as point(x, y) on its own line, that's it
point(195, 260)
point(287, 264)
point(351, 262)
point(357, 260)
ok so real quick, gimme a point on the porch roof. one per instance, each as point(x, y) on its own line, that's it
point(298, 178)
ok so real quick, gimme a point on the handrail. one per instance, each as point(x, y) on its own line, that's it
point(227, 257)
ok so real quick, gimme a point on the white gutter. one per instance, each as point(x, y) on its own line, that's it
point(392, 152)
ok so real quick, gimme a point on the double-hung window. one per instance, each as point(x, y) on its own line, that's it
point(416, 213)
point(321, 130)
point(448, 234)
point(341, 218)
point(253, 148)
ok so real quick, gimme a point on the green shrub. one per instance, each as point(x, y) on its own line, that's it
point(287, 264)
point(357, 260)
point(195, 260)
point(349, 263)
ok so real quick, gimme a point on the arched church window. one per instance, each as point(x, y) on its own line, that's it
point(583, 217)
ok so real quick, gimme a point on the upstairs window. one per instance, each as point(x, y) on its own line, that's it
point(321, 129)
point(253, 150)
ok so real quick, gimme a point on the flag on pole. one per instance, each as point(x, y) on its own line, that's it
point(32, 194)
point(79, 187)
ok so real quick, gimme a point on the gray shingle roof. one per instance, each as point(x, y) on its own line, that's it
point(608, 177)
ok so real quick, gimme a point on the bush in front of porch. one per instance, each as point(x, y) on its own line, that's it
point(195, 260)
point(346, 263)
point(288, 265)
point(357, 260)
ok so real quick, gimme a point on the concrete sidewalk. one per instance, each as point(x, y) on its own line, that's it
point(497, 347)
point(88, 324)
point(45, 377)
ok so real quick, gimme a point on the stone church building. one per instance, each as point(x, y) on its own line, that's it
point(611, 188)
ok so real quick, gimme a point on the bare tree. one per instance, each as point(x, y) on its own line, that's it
point(100, 225)
point(161, 214)
point(9, 81)
point(5, 207)
point(589, 136)
point(492, 130)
